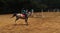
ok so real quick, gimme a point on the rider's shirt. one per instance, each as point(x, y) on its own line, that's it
point(23, 12)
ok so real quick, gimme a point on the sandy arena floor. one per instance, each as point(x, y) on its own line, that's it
point(50, 23)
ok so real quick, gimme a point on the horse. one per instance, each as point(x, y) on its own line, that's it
point(22, 16)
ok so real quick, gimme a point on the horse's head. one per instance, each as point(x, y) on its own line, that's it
point(30, 13)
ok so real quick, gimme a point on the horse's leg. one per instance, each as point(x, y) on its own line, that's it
point(26, 19)
point(16, 18)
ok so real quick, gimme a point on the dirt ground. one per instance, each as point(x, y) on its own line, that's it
point(49, 23)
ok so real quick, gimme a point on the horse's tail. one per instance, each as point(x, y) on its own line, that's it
point(13, 15)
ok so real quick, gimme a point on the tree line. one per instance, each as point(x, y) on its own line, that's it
point(16, 5)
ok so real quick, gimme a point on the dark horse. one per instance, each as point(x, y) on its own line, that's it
point(21, 16)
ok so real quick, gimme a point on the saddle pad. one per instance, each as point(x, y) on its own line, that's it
point(22, 15)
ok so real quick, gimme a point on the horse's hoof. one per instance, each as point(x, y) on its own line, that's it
point(26, 24)
point(15, 24)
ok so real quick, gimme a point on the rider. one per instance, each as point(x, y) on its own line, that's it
point(24, 12)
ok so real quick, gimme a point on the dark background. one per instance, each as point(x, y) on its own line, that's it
point(11, 6)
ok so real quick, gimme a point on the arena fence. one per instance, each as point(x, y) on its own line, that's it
point(46, 14)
